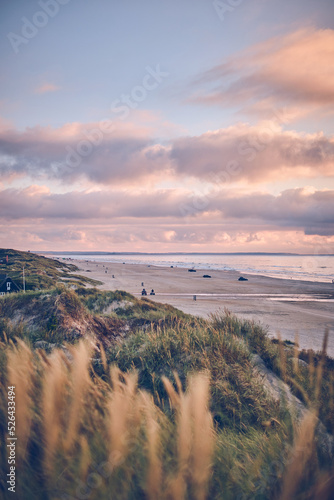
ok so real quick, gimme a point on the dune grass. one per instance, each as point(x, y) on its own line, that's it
point(173, 411)
point(40, 272)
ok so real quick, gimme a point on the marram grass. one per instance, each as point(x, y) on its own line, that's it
point(172, 412)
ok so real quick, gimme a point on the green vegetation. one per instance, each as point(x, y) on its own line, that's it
point(283, 359)
point(61, 315)
point(40, 272)
point(134, 399)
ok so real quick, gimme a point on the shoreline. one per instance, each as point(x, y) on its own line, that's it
point(296, 275)
point(285, 306)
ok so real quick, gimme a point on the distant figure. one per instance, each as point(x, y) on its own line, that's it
point(152, 292)
point(113, 276)
point(144, 292)
point(106, 272)
point(142, 283)
point(194, 297)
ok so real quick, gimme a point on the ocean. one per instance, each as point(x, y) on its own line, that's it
point(317, 268)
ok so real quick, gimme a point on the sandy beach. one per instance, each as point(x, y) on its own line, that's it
point(284, 306)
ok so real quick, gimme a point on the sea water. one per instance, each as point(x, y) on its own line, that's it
point(318, 268)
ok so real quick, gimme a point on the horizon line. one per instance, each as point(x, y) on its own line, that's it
point(66, 252)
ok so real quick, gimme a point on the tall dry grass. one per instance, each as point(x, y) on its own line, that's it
point(80, 384)
point(85, 421)
point(55, 383)
point(195, 436)
point(301, 453)
point(304, 445)
point(21, 375)
point(154, 447)
point(123, 414)
point(127, 417)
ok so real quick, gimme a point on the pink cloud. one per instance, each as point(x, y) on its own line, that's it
point(296, 69)
point(155, 238)
point(258, 153)
point(46, 88)
point(297, 209)
point(123, 153)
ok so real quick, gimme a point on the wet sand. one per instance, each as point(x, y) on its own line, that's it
point(285, 306)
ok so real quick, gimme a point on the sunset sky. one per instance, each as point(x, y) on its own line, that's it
point(164, 126)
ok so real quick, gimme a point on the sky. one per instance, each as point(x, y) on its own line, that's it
point(189, 125)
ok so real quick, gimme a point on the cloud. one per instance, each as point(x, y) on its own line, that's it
point(155, 238)
point(37, 202)
point(295, 208)
point(126, 153)
point(100, 152)
point(46, 88)
point(253, 153)
point(298, 209)
point(293, 70)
